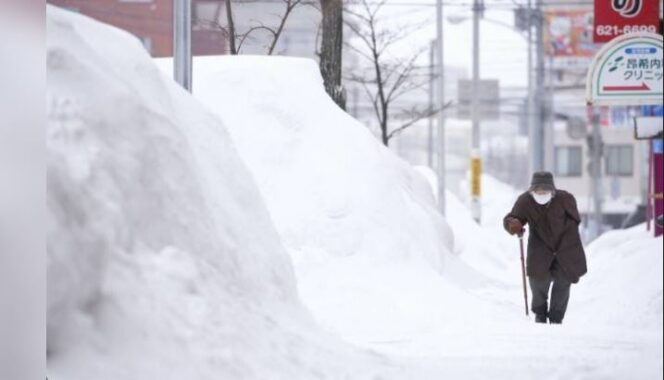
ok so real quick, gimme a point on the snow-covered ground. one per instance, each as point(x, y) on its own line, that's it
point(196, 238)
point(613, 328)
point(463, 318)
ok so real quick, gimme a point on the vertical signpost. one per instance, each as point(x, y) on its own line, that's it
point(182, 43)
point(477, 106)
point(476, 178)
point(440, 59)
point(475, 156)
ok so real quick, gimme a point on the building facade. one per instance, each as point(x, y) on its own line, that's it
point(151, 21)
point(624, 171)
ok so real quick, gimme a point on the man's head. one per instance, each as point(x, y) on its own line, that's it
point(542, 182)
point(542, 187)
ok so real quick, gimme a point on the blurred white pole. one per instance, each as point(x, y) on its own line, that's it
point(182, 43)
point(537, 126)
point(441, 102)
point(530, 104)
point(475, 156)
point(596, 182)
point(432, 84)
point(547, 123)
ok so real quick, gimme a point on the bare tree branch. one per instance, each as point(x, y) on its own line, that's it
point(391, 76)
point(290, 5)
point(236, 40)
point(374, 101)
point(414, 116)
point(245, 35)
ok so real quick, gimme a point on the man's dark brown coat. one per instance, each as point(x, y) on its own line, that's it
point(554, 234)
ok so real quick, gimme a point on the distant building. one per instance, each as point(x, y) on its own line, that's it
point(624, 171)
point(151, 21)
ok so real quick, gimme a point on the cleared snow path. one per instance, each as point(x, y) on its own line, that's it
point(469, 323)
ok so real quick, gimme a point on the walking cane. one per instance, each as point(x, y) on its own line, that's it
point(523, 274)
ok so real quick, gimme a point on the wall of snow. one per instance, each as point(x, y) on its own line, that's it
point(162, 259)
point(328, 182)
point(623, 286)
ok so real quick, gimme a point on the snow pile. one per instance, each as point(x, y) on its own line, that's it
point(359, 223)
point(623, 287)
point(486, 248)
point(162, 259)
point(329, 184)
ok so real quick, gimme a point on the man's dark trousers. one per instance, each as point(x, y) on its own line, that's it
point(559, 294)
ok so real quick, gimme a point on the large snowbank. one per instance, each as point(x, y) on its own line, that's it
point(162, 259)
point(328, 183)
point(623, 287)
point(358, 221)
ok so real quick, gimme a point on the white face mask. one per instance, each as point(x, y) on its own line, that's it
point(542, 198)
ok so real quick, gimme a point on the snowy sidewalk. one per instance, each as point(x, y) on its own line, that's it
point(469, 322)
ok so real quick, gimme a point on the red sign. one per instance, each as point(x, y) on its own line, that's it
point(569, 33)
point(617, 17)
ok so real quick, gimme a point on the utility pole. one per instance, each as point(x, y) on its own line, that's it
point(536, 125)
point(596, 168)
point(475, 154)
point(432, 84)
point(547, 121)
point(441, 102)
point(182, 43)
point(530, 103)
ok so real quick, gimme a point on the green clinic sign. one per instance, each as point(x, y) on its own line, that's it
point(627, 71)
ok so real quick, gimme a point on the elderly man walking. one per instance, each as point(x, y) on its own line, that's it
point(556, 258)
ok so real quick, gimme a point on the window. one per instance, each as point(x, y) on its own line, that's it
point(620, 160)
point(568, 161)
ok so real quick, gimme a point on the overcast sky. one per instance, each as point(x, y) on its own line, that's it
point(503, 53)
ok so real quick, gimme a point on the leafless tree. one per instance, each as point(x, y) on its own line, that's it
point(388, 76)
point(331, 49)
point(237, 38)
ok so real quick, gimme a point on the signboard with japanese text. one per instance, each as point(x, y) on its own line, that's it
point(568, 39)
point(614, 18)
point(569, 33)
point(627, 71)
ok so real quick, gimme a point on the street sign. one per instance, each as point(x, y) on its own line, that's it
point(648, 127)
point(488, 95)
point(627, 71)
point(614, 18)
